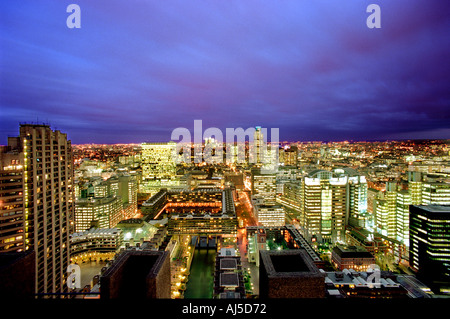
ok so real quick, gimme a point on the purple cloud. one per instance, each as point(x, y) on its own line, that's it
point(137, 70)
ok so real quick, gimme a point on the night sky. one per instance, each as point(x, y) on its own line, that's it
point(138, 69)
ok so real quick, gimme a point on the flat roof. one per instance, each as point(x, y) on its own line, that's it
point(295, 262)
point(352, 252)
point(228, 264)
point(434, 208)
point(229, 280)
point(288, 263)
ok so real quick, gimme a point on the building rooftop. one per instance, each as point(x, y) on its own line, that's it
point(351, 277)
point(295, 262)
point(228, 264)
point(229, 295)
point(352, 252)
point(229, 280)
point(435, 208)
point(96, 232)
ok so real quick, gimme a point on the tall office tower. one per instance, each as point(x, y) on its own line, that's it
point(158, 160)
point(329, 200)
point(264, 186)
point(429, 251)
point(11, 200)
point(415, 187)
point(48, 203)
point(357, 197)
point(435, 193)
point(258, 146)
point(404, 199)
point(391, 201)
point(386, 211)
point(128, 194)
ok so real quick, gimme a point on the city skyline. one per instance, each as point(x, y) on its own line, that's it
point(134, 73)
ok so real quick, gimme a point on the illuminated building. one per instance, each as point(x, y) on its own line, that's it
point(429, 251)
point(288, 155)
point(158, 161)
point(329, 200)
point(95, 244)
point(404, 199)
point(435, 193)
point(127, 191)
point(269, 216)
point(386, 211)
point(136, 231)
point(351, 257)
point(103, 212)
point(266, 210)
point(207, 211)
point(48, 202)
point(256, 242)
point(292, 195)
point(357, 284)
point(11, 201)
point(392, 208)
point(415, 187)
point(264, 186)
point(258, 144)
point(112, 200)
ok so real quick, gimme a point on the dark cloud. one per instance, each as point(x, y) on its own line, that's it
point(137, 70)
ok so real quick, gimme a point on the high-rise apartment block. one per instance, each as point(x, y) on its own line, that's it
point(47, 189)
point(11, 200)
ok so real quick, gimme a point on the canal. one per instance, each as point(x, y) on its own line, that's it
point(201, 278)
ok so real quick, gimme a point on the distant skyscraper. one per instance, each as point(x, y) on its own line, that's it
point(429, 245)
point(258, 144)
point(48, 202)
point(290, 156)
